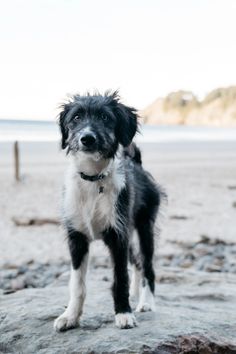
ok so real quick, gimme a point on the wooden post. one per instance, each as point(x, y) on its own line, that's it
point(16, 161)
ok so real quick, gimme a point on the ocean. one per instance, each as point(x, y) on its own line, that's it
point(35, 131)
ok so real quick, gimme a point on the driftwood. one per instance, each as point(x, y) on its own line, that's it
point(34, 221)
point(178, 217)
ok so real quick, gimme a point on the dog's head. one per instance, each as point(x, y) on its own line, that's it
point(97, 124)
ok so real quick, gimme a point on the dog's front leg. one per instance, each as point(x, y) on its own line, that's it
point(79, 246)
point(118, 246)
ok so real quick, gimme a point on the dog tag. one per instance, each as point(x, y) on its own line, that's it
point(101, 189)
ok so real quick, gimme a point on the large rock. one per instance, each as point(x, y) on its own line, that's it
point(196, 313)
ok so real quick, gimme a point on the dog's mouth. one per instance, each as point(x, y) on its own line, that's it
point(88, 149)
point(76, 147)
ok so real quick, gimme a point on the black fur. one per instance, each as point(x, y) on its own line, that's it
point(119, 252)
point(78, 246)
point(147, 202)
point(133, 152)
point(118, 243)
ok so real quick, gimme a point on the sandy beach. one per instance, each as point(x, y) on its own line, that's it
point(199, 178)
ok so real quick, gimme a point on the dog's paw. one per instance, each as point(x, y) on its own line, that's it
point(146, 301)
point(125, 320)
point(145, 307)
point(65, 322)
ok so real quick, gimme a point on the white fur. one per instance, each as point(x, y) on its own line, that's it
point(70, 318)
point(135, 282)
point(125, 320)
point(147, 300)
point(87, 210)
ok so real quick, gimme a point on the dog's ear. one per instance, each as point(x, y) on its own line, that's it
point(127, 124)
point(62, 125)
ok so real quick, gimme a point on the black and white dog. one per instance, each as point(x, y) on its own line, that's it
point(107, 195)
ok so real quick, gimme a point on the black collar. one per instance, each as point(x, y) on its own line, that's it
point(92, 178)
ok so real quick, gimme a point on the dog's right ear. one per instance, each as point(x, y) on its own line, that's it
point(127, 123)
point(62, 124)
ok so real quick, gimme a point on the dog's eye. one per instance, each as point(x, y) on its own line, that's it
point(104, 117)
point(76, 118)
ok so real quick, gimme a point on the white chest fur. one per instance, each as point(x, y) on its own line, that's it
point(87, 210)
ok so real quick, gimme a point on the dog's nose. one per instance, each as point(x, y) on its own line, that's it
point(88, 139)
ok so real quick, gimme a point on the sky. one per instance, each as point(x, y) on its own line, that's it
point(144, 48)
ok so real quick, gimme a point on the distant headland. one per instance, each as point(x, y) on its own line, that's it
point(218, 108)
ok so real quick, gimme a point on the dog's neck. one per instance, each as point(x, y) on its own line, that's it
point(91, 164)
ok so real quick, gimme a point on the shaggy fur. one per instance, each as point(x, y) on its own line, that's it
point(107, 195)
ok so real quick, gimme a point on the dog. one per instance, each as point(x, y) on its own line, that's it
point(109, 196)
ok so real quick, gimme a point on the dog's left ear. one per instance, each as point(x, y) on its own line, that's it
point(126, 124)
point(64, 130)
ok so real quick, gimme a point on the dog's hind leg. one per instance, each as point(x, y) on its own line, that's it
point(79, 246)
point(136, 273)
point(146, 239)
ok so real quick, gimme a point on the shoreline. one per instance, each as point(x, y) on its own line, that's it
point(36, 131)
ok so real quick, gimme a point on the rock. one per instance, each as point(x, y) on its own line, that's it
point(201, 250)
point(213, 268)
point(187, 263)
point(210, 255)
point(195, 314)
point(18, 284)
point(22, 269)
point(196, 345)
point(203, 262)
point(32, 275)
point(175, 262)
point(9, 273)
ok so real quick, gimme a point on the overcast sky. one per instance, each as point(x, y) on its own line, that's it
point(146, 48)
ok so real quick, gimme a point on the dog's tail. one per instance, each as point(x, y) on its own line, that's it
point(134, 153)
